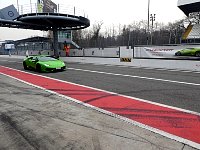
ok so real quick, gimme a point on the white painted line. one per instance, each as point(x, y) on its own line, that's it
point(122, 66)
point(139, 77)
point(196, 72)
point(172, 70)
point(98, 64)
point(148, 68)
point(162, 69)
point(109, 65)
point(180, 109)
point(171, 136)
point(10, 61)
point(135, 67)
point(186, 71)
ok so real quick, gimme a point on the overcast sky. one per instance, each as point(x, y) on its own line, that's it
point(110, 12)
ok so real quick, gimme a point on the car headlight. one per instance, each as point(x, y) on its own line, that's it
point(46, 65)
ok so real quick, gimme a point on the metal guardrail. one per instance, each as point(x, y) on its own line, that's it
point(61, 8)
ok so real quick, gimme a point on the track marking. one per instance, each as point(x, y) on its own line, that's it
point(196, 72)
point(185, 122)
point(161, 69)
point(131, 76)
point(122, 66)
point(109, 65)
point(172, 70)
point(134, 67)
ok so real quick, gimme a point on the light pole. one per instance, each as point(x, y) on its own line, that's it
point(148, 23)
point(152, 19)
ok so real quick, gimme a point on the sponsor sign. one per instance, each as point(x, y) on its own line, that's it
point(9, 13)
point(166, 51)
point(159, 52)
point(46, 6)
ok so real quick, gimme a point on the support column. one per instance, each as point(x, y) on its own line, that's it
point(55, 42)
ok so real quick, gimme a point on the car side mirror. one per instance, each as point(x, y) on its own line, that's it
point(34, 60)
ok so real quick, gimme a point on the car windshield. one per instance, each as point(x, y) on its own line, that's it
point(46, 59)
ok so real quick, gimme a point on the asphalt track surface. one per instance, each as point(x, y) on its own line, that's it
point(171, 88)
point(152, 85)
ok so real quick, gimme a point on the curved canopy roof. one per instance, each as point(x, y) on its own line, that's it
point(47, 21)
point(55, 20)
point(189, 6)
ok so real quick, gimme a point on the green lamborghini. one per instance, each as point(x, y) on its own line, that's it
point(42, 63)
point(189, 52)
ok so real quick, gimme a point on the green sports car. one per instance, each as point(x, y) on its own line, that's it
point(43, 63)
point(189, 52)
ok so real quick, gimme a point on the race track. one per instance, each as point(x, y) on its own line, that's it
point(163, 99)
point(169, 87)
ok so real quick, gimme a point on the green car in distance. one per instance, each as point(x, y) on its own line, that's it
point(43, 63)
point(189, 52)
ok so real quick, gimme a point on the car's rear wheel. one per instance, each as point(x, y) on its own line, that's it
point(25, 66)
point(197, 54)
point(38, 68)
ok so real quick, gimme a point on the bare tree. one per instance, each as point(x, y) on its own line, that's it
point(96, 33)
point(132, 34)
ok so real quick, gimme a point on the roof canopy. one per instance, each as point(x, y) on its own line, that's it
point(189, 6)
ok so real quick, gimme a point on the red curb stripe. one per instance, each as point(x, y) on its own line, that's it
point(182, 124)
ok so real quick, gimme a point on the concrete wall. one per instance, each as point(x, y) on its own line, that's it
point(114, 52)
point(150, 63)
point(111, 56)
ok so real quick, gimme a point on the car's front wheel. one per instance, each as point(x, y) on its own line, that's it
point(197, 54)
point(25, 66)
point(38, 68)
point(178, 54)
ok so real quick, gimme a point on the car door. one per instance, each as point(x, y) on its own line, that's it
point(188, 52)
point(32, 62)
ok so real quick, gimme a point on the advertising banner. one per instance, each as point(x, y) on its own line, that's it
point(40, 6)
point(46, 6)
point(9, 13)
point(168, 51)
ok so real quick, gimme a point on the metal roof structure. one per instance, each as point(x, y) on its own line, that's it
point(189, 6)
point(40, 19)
point(32, 39)
point(55, 20)
point(47, 21)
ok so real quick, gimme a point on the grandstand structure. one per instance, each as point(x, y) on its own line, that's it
point(191, 8)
